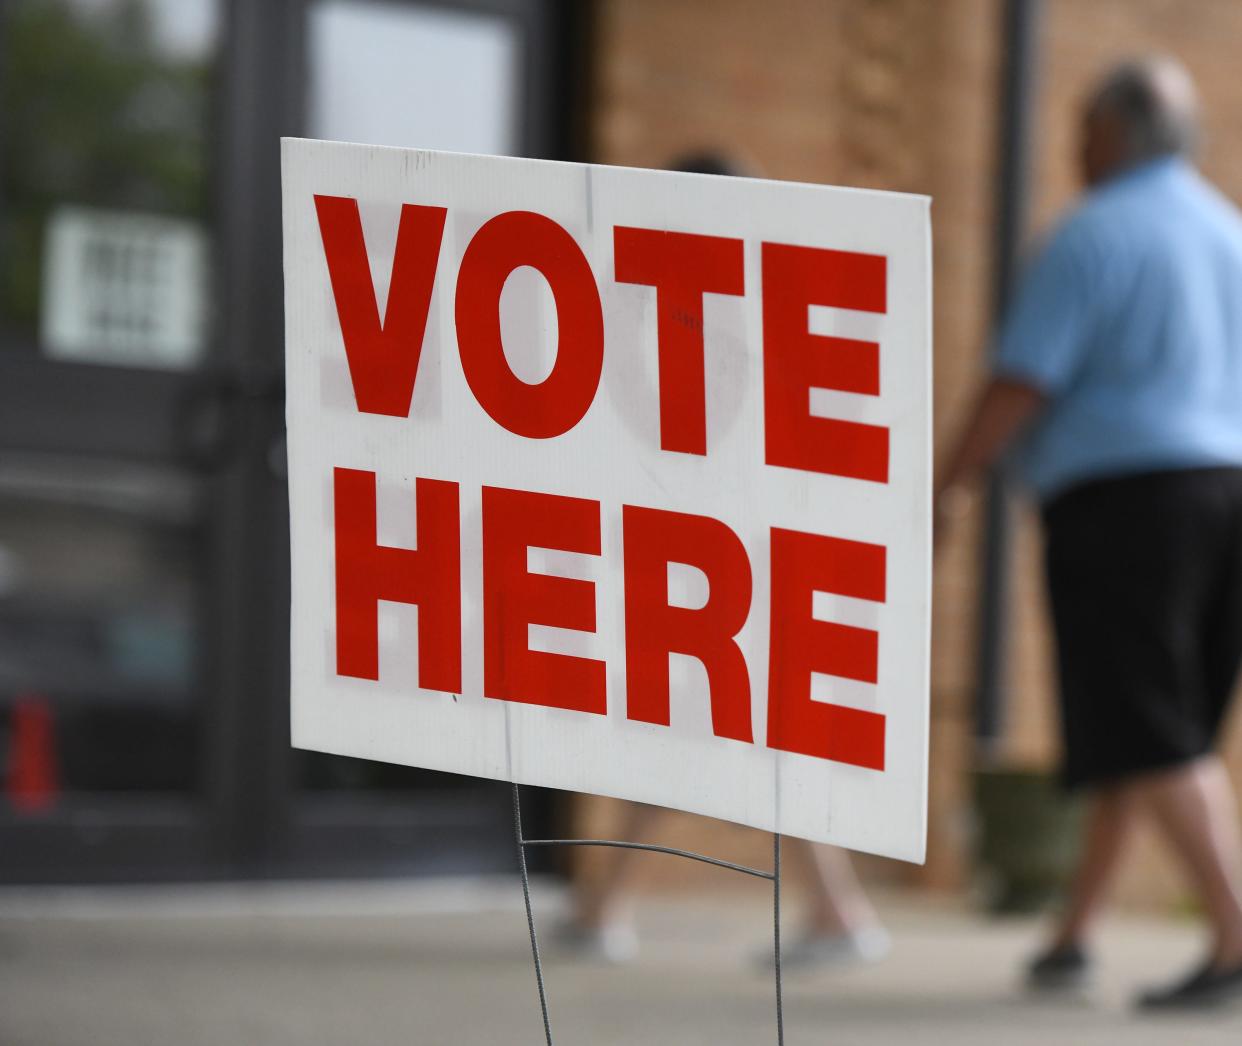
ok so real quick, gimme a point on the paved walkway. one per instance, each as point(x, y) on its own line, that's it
point(432, 964)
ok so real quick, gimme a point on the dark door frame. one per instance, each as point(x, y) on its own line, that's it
point(1014, 145)
point(341, 833)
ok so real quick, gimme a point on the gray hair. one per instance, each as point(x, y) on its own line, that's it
point(1154, 100)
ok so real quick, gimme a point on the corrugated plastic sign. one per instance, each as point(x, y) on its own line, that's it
point(613, 480)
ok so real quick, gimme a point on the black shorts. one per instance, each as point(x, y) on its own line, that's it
point(1145, 575)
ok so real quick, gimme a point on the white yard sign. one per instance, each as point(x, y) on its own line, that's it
point(613, 480)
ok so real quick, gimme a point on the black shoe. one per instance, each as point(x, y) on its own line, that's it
point(1205, 989)
point(1060, 969)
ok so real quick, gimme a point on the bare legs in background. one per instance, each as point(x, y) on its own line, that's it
point(1110, 821)
point(1194, 807)
point(837, 903)
point(840, 925)
point(610, 901)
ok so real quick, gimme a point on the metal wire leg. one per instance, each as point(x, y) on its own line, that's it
point(530, 915)
point(776, 935)
point(774, 875)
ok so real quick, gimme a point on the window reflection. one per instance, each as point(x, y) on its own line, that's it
point(98, 629)
point(106, 124)
point(413, 75)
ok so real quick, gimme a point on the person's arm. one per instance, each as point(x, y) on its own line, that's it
point(1039, 348)
point(1003, 409)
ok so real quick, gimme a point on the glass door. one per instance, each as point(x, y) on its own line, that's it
point(143, 512)
point(474, 77)
point(107, 550)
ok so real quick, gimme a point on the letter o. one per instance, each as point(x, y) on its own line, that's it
point(556, 404)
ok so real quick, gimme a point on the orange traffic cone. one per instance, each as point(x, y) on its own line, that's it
point(32, 785)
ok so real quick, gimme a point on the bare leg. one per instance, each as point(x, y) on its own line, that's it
point(1195, 807)
point(611, 898)
point(837, 901)
point(1109, 821)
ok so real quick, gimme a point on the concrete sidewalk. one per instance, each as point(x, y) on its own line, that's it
point(430, 964)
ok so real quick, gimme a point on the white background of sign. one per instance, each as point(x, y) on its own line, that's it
point(613, 456)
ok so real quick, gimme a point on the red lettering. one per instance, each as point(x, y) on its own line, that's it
point(383, 358)
point(682, 267)
point(429, 577)
point(513, 598)
point(654, 629)
point(803, 564)
point(558, 403)
point(795, 360)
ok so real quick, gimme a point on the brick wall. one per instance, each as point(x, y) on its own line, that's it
point(899, 94)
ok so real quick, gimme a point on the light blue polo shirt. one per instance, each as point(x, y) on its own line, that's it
point(1130, 319)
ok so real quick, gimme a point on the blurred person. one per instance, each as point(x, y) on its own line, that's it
point(1120, 367)
point(840, 925)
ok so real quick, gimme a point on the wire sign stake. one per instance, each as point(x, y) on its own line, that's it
point(774, 876)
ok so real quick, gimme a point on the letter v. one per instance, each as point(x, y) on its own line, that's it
point(383, 358)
